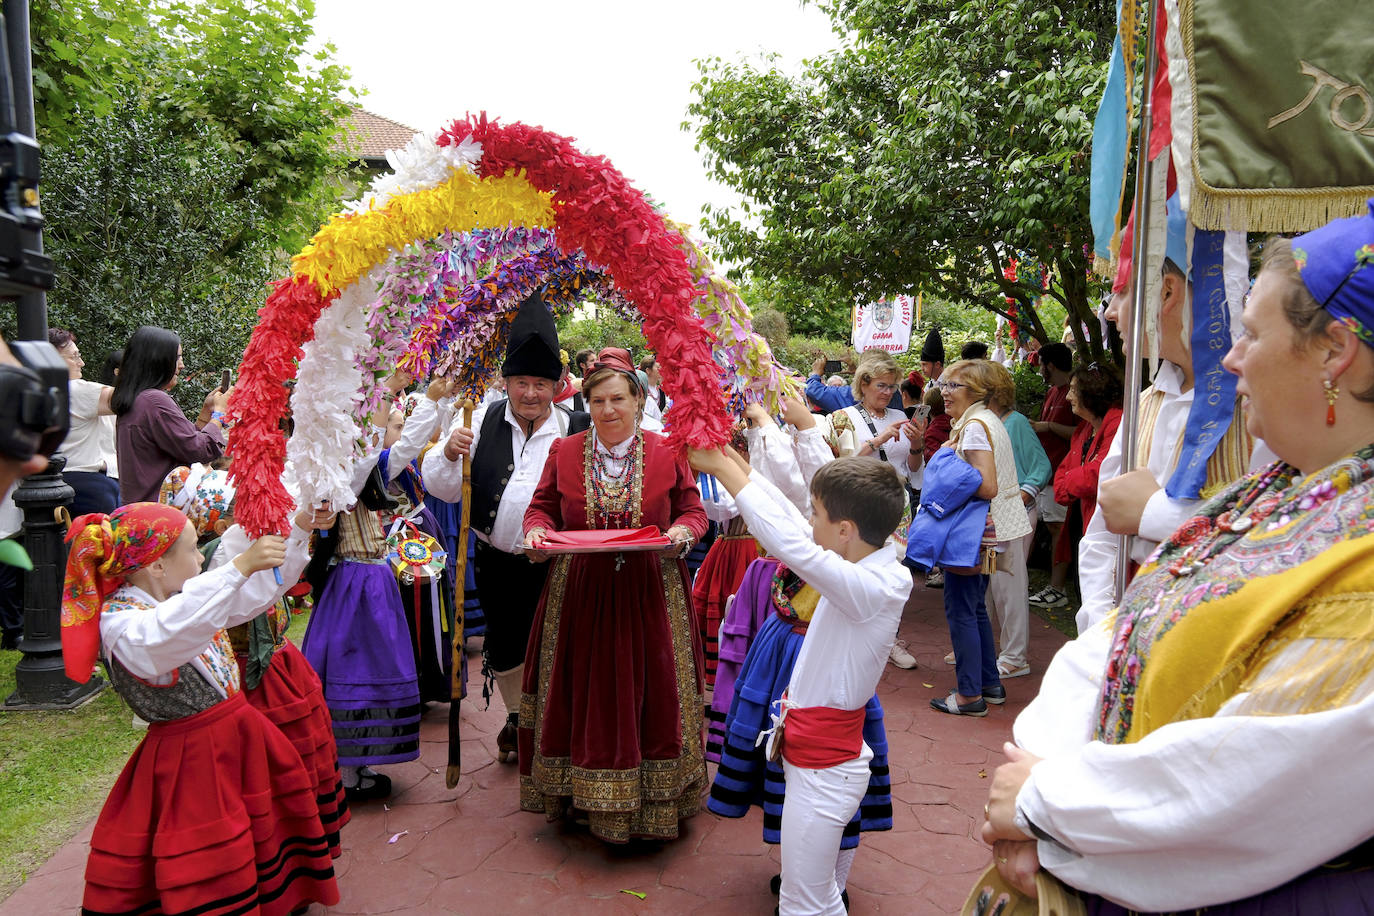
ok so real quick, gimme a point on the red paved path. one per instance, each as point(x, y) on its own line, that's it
point(472, 851)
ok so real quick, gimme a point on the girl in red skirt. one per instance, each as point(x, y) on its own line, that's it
point(276, 677)
point(214, 812)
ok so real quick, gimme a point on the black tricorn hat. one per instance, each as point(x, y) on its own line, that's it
point(933, 350)
point(533, 347)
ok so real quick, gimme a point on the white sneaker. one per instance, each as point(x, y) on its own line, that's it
point(900, 657)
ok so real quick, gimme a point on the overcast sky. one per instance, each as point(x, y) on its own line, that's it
point(616, 75)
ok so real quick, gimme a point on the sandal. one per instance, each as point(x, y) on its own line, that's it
point(1006, 670)
point(951, 705)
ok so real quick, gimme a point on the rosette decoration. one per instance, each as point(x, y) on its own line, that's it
point(424, 272)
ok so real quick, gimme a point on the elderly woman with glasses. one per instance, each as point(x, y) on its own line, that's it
point(979, 438)
point(870, 428)
point(1207, 745)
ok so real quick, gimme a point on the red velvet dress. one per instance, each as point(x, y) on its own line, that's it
point(611, 711)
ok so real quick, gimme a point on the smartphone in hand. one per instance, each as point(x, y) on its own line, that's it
point(832, 366)
point(922, 412)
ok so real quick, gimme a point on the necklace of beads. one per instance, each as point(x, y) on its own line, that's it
point(614, 499)
point(1203, 538)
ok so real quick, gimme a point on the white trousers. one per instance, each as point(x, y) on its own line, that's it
point(818, 805)
point(1009, 599)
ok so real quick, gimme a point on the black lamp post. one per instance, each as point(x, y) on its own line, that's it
point(40, 679)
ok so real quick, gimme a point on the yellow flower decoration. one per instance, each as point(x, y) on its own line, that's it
point(350, 244)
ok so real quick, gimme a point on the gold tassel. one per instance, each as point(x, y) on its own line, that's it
point(1273, 211)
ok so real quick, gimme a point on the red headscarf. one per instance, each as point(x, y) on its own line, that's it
point(105, 550)
point(618, 359)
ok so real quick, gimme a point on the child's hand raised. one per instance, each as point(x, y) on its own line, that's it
point(267, 552)
point(319, 519)
point(708, 461)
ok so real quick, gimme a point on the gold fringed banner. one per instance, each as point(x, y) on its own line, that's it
point(1283, 113)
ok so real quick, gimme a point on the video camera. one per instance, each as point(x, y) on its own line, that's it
point(34, 415)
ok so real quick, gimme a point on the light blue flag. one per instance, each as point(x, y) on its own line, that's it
point(1111, 134)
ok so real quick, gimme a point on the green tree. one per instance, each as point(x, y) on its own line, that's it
point(944, 138)
point(239, 66)
point(138, 234)
point(187, 148)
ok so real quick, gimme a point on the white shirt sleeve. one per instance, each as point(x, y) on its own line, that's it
point(420, 425)
point(1097, 552)
point(444, 478)
point(1161, 518)
point(716, 501)
point(1206, 810)
point(812, 453)
point(974, 438)
point(156, 642)
point(771, 454)
point(261, 590)
point(779, 527)
point(363, 466)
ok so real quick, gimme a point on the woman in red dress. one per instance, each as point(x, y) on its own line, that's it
point(611, 705)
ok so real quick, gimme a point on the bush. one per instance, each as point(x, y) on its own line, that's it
point(772, 325)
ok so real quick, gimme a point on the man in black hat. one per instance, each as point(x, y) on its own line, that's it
point(933, 356)
point(509, 441)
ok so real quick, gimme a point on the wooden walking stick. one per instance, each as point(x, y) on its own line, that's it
point(455, 752)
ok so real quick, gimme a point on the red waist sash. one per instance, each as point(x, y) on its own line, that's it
point(818, 737)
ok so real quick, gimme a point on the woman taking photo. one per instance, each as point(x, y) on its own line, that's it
point(152, 434)
point(1220, 757)
point(979, 438)
point(611, 706)
point(89, 448)
point(870, 428)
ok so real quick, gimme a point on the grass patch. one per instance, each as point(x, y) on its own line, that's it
point(1061, 618)
point(56, 769)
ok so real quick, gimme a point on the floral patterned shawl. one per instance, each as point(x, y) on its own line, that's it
point(1274, 559)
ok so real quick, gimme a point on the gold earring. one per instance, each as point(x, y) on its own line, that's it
point(1331, 392)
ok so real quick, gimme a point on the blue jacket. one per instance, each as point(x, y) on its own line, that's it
point(830, 399)
point(827, 398)
point(949, 523)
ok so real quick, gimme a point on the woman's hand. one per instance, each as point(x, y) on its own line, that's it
point(267, 552)
point(915, 430)
point(215, 402)
point(682, 540)
point(1017, 863)
point(1006, 784)
point(535, 539)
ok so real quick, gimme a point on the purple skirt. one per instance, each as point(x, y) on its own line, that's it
point(358, 643)
point(1344, 887)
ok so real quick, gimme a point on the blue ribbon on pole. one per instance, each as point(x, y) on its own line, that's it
point(1214, 389)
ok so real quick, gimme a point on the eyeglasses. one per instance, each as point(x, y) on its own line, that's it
point(884, 387)
point(949, 386)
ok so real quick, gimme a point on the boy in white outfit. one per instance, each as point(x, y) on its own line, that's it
point(856, 504)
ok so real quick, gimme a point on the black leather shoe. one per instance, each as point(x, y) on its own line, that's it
point(508, 741)
point(370, 787)
point(995, 695)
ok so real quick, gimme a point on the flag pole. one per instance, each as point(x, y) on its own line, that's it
point(454, 770)
point(1130, 403)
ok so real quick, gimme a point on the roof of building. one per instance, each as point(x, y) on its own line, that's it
point(373, 134)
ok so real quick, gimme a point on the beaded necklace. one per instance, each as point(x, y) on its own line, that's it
point(614, 498)
point(1201, 538)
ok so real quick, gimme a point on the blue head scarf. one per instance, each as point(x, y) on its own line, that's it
point(1336, 263)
